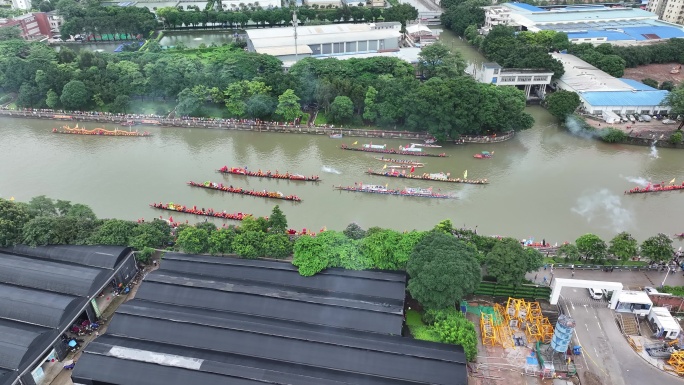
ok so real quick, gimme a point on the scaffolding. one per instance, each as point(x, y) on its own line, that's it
point(488, 330)
point(498, 324)
point(677, 362)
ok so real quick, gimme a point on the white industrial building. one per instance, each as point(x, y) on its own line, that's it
point(532, 81)
point(627, 301)
point(600, 92)
point(594, 24)
point(325, 40)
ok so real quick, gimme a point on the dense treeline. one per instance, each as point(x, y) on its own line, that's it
point(526, 50)
point(89, 18)
point(177, 17)
point(381, 90)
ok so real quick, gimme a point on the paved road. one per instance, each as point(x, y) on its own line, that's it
point(605, 351)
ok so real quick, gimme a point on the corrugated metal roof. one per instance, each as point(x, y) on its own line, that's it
point(106, 257)
point(637, 85)
point(15, 341)
point(33, 306)
point(624, 98)
point(526, 7)
point(590, 15)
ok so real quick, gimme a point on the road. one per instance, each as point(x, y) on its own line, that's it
point(605, 351)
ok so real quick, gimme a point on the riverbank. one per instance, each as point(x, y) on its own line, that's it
point(653, 133)
point(240, 125)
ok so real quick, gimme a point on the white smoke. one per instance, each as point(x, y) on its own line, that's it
point(576, 128)
point(639, 181)
point(654, 150)
point(605, 208)
point(330, 170)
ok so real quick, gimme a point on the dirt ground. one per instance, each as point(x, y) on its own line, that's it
point(658, 72)
point(654, 129)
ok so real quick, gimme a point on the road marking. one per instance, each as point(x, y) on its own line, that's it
point(573, 306)
point(587, 326)
point(596, 351)
point(599, 324)
point(586, 308)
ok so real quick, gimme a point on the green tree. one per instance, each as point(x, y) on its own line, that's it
point(249, 244)
point(667, 85)
point(10, 33)
point(676, 137)
point(462, 14)
point(122, 104)
point(612, 135)
point(370, 110)
point(277, 222)
point(38, 231)
point(569, 252)
point(401, 13)
point(221, 241)
point(675, 99)
point(657, 248)
point(380, 249)
point(327, 249)
point(354, 231)
point(650, 82)
point(288, 106)
point(442, 270)
point(453, 328)
point(277, 246)
point(42, 206)
point(438, 60)
point(189, 102)
point(445, 226)
point(193, 240)
point(74, 95)
point(52, 99)
point(623, 246)
point(155, 234)
point(562, 103)
point(79, 210)
point(591, 246)
point(113, 232)
point(509, 262)
point(341, 109)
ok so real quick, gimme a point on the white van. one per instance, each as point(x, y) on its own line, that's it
point(596, 293)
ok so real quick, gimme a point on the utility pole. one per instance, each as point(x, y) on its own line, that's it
point(294, 23)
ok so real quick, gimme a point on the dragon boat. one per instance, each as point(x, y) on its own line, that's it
point(97, 131)
point(401, 151)
point(241, 191)
point(401, 161)
point(268, 174)
point(407, 192)
point(660, 187)
point(438, 177)
point(203, 212)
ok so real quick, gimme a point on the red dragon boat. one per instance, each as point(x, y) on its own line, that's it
point(483, 155)
point(406, 162)
point(98, 131)
point(660, 187)
point(406, 192)
point(391, 151)
point(438, 177)
point(203, 212)
point(268, 174)
point(241, 191)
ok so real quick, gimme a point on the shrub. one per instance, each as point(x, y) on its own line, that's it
point(676, 137)
point(613, 135)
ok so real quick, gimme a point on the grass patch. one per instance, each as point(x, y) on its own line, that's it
point(418, 329)
point(321, 118)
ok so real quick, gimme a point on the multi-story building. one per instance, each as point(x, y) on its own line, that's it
point(671, 11)
point(55, 21)
point(594, 24)
point(532, 81)
point(33, 26)
point(21, 4)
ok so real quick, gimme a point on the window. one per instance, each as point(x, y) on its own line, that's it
point(524, 78)
point(494, 80)
point(372, 45)
point(597, 112)
point(541, 78)
point(338, 47)
point(327, 48)
point(350, 47)
point(630, 111)
point(363, 46)
point(508, 78)
point(496, 71)
point(645, 112)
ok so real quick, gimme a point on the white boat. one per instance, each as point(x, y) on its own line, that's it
point(336, 136)
point(411, 149)
point(375, 146)
point(439, 176)
point(418, 191)
point(425, 145)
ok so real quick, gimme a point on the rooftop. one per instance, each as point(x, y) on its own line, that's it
point(42, 290)
point(211, 320)
point(665, 318)
point(582, 76)
point(632, 296)
point(319, 34)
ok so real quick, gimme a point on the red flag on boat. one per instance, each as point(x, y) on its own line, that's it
point(413, 168)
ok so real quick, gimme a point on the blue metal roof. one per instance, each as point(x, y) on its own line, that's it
point(609, 35)
point(527, 7)
point(597, 15)
point(624, 98)
point(630, 33)
point(637, 85)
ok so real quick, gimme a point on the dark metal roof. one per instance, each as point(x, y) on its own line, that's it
point(35, 307)
point(260, 322)
point(105, 257)
point(18, 342)
point(50, 276)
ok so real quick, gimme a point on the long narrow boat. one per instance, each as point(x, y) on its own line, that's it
point(655, 188)
point(407, 192)
point(203, 212)
point(401, 161)
point(438, 177)
point(392, 151)
point(426, 145)
point(241, 191)
point(98, 131)
point(268, 174)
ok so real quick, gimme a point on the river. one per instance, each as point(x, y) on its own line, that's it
point(545, 183)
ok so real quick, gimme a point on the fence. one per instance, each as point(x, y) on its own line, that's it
point(524, 291)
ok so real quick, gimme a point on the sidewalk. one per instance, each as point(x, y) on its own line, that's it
point(631, 279)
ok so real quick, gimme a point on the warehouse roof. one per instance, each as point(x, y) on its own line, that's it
point(205, 319)
point(592, 14)
point(639, 33)
point(666, 320)
point(625, 98)
point(41, 292)
point(320, 34)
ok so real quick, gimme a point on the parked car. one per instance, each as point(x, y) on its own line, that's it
point(646, 118)
point(669, 121)
point(596, 293)
point(650, 290)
